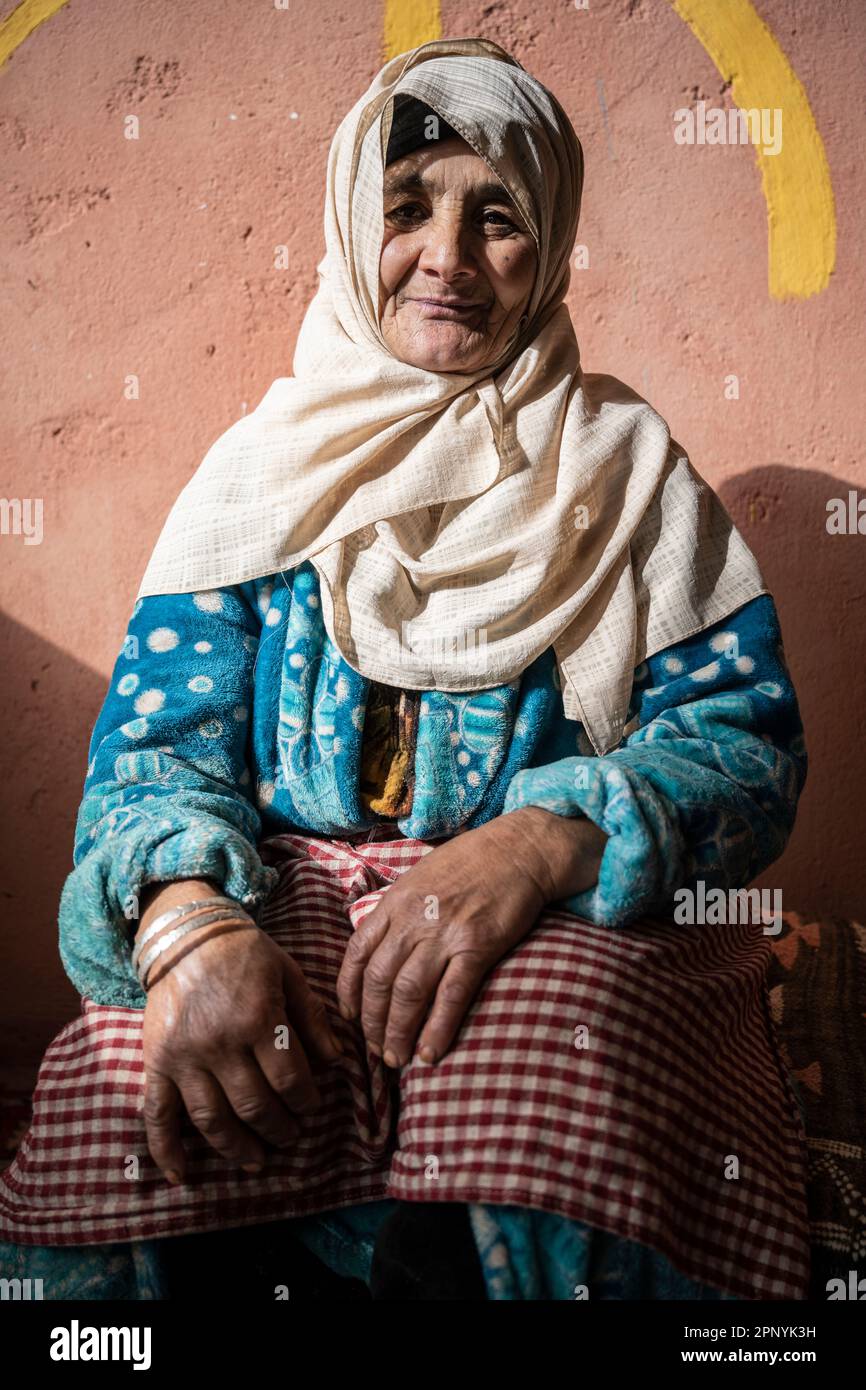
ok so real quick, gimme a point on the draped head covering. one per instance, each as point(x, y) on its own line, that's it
point(462, 523)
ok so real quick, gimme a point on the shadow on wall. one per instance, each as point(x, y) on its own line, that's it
point(42, 771)
point(818, 581)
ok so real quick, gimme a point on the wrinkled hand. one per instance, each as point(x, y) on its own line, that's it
point(425, 948)
point(211, 1046)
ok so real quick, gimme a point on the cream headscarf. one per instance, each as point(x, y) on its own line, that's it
point(570, 516)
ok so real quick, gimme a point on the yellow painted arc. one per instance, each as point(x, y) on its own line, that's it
point(409, 23)
point(798, 190)
point(26, 17)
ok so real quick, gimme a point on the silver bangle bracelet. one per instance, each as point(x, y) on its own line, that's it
point(171, 915)
point(179, 932)
point(229, 924)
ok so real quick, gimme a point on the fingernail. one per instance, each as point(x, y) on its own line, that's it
point(375, 1049)
point(173, 1176)
point(391, 1059)
point(426, 1053)
point(252, 1167)
point(346, 1012)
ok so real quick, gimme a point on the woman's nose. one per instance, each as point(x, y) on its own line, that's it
point(447, 248)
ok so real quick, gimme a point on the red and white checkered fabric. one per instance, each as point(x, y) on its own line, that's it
point(636, 1133)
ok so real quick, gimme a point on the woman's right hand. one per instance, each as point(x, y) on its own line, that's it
point(215, 1032)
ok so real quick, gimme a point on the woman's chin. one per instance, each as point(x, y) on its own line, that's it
point(446, 347)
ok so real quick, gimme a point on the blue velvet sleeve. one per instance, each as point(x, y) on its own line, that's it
point(167, 794)
point(705, 784)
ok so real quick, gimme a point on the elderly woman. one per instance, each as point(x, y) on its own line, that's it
point(449, 688)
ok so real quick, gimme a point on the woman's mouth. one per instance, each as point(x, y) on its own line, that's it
point(454, 309)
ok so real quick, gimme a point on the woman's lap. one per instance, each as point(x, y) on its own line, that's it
point(567, 1095)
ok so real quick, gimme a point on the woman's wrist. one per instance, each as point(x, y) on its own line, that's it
point(157, 898)
point(566, 850)
point(178, 918)
point(155, 902)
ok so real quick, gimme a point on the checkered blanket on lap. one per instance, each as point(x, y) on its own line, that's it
point(629, 1079)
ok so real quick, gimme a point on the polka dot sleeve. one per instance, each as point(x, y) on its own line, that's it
point(703, 788)
point(167, 793)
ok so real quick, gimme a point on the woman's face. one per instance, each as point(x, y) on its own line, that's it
point(458, 262)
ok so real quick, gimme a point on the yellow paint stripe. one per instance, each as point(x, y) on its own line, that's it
point(409, 23)
point(797, 186)
point(20, 24)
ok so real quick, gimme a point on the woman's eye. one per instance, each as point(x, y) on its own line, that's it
point(489, 220)
point(498, 220)
point(407, 212)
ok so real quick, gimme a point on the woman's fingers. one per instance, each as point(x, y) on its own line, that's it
point(212, 1115)
point(411, 992)
point(163, 1112)
point(282, 1058)
point(360, 947)
point(384, 966)
point(256, 1104)
point(457, 989)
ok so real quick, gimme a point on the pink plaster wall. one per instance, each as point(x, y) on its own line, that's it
point(155, 257)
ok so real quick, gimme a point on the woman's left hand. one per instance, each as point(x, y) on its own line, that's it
point(444, 923)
